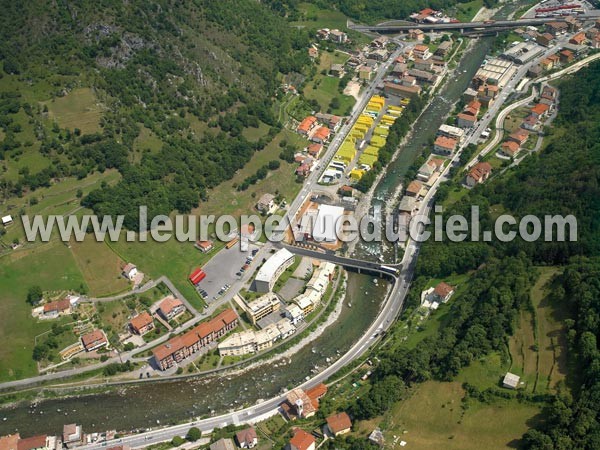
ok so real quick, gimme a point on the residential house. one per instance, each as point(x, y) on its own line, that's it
point(442, 292)
point(41, 442)
point(72, 435)
point(566, 56)
point(578, 39)
point(314, 150)
point(548, 95)
point(530, 123)
point(479, 173)
point(7, 220)
point(170, 307)
point(451, 132)
point(519, 136)
point(338, 424)
point(399, 69)
point(443, 48)
point(294, 313)
point(413, 189)
point(466, 120)
point(401, 91)
point(376, 437)
point(307, 125)
point(556, 27)
point(223, 444)
point(416, 35)
point(544, 39)
point(321, 135)
point(323, 33)
point(338, 36)
point(407, 205)
point(511, 381)
point(142, 323)
point(380, 54)
point(302, 440)
point(540, 110)
point(313, 53)
point(444, 145)
point(422, 76)
point(94, 340)
point(330, 120)
point(246, 438)
point(422, 51)
point(58, 308)
point(298, 405)
point(337, 70)
point(365, 72)
point(407, 80)
point(535, 71)
point(510, 148)
point(204, 246)
point(316, 393)
point(429, 168)
point(9, 442)
point(266, 203)
point(130, 271)
point(573, 24)
point(546, 64)
point(423, 64)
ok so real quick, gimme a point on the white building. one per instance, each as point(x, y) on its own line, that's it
point(272, 270)
point(130, 271)
point(7, 220)
point(451, 132)
point(328, 223)
point(294, 313)
point(511, 381)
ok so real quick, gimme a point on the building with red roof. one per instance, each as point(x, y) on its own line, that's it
point(478, 174)
point(171, 307)
point(302, 440)
point(339, 424)
point(142, 323)
point(94, 340)
point(307, 125)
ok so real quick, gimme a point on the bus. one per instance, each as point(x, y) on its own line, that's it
point(232, 242)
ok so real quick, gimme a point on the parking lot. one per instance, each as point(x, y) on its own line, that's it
point(222, 269)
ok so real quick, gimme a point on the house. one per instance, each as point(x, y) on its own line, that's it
point(566, 56)
point(530, 123)
point(544, 39)
point(545, 64)
point(72, 435)
point(204, 246)
point(307, 125)
point(540, 110)
point(422, 76)
point(444, 145)
point(413, 189)
point(299, 404)
point(479, 173)
point(246, 438)
point(94, 340)
point(422, 51)
point(365, 72)
point(429, 168)
point(142, 323)
point(578, 39)
point(510, 148)
point(130, 271)
point(337, 70)
point(401, 91)
point(416, 35)
point(316, 393)
point(339, 424)
point(314, 150)
point(535, 71)
point(313, 53)
point(443, 48)
point(294, 314)
point(303, 170)
point(407, 80)
point(465, 120)
point(57, 308)
point(548, 94)
point(9, 442)
point(7, 220)
point(302, 440)
point(376, 437)
point(323, 33)
point(519, 136)
point(321, 135)
point(442, 292)
point(423, 64)
point(170, 307)
point(40, 442)
point(338, 36)
point(573, 24)
point(472, 108)
point(511, 381)
point(222, 444)
point(266, 203)
point(556, 27)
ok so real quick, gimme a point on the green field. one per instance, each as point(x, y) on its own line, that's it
point(433, 418)
point(466, 11)
point(100, 266)
point(51, 267)
point(78, 109)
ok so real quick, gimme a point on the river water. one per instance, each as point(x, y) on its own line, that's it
point(142, 405)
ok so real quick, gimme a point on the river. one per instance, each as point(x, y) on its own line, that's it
point(143, 405)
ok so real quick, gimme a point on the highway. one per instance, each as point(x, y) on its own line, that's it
point(389, 27)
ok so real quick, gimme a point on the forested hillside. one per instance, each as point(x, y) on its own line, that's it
point(563, 179)
point(176, 69)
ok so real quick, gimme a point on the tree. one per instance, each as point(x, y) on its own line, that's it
point(177, 441)
point(34, 295)
point(193, 434)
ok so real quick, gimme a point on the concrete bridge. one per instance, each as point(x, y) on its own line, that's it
point(361, 266)
point(465, 27)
